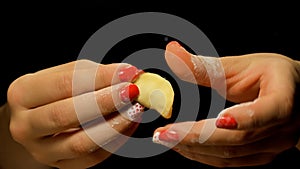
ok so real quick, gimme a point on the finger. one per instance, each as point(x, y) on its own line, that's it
point(272, 107)
point(187, 138)
point(97, 156)
point(62, 67)
point(205, 132)
point(246, 161)
point(241, 82)
point(73, 112)
point(271, 144)
point(225, 74)
point(202, 70)
point(265, 111)
point(37, 89)
point(92, 136)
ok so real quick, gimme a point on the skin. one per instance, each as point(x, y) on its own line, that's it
point(40, 113)
point(264, 87)
point(39, 124)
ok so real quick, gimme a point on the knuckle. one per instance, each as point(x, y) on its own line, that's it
point(16, 90)
point(57, 116)
point(254, 121)
point(18, 131)
point(78, 146)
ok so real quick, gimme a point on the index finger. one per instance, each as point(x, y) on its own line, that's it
point(33, 90)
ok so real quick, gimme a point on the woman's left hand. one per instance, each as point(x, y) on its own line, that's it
point(264, 122)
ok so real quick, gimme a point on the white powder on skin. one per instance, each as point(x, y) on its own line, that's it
point(114, 122)
point(180, 68)
point(213, 70)
point(245, 108)
point(207, 130)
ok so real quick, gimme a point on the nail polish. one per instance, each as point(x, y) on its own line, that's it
point(227, 122)
point(135, 111)
point(129, 93)
point(129, 73)
point(168, 136)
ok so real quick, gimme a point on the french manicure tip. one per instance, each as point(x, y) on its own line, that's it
point(155, 137)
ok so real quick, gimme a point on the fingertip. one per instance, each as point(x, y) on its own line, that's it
point(179, 60)
point(127, 73)
point(163, 128)
point(172, 44)
point(229, 117)
point(159, 129)
point(241, 116)
point(227, 122)
point(174, 49)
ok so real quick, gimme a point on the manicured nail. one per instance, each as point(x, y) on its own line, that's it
point(227, 122)
point(135, 111)
point(129, 93)
point(129, 73)
point(168, 136)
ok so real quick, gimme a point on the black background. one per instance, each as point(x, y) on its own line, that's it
point(40, 35)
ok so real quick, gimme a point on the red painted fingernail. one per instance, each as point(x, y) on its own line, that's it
point(168, 136)
point(129, 73)
point(128, 93)
point(227, 122)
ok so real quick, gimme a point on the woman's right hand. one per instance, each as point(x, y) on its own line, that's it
point(54, 118)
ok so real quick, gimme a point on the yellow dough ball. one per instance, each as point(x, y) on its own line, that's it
point(156, 93)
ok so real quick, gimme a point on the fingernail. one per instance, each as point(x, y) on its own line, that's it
point(129, 73)
point(227, 122)
point(129, 93)
point(167, 136)
point(175, 43)
point(135, 111)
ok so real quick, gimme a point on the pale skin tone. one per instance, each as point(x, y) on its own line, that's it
point(267, 123)
point(39, 107)
point(40, 127)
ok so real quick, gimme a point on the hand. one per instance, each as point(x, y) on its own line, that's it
point(54, 117)
point(264, 122)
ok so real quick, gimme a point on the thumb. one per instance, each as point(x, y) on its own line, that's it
point(202, 70)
